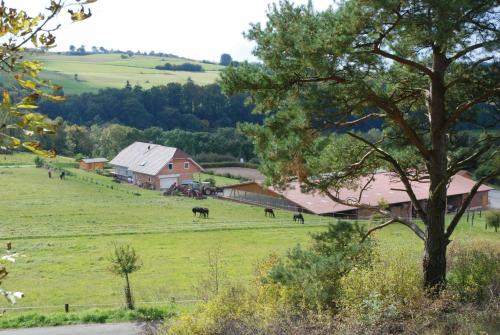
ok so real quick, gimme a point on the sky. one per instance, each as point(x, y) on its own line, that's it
point(197, 29)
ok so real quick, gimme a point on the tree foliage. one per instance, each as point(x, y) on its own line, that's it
point(311, 277)
point(185, 106)
point(424, 68)
point(123, 262)
point(18, 31)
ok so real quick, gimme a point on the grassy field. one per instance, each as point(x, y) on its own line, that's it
point(26, 158)
point(66, 229)
point(110, 70)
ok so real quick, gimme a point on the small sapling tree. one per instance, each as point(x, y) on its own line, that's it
point(125, 261)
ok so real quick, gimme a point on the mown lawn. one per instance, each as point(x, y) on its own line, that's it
point(66, 229)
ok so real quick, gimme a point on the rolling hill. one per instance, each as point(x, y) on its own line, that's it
point(96, 71)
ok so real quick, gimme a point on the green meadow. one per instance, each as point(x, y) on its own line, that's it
point(66, 229)
point(98, 71)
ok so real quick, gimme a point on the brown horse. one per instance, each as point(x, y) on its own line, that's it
point(297, 217)
point(270, 212)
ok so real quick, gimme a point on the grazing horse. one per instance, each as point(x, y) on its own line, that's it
point(297, 217)
point(200, 210)
point(269, 211)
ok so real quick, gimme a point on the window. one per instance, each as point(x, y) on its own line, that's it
point(186, 165)
point(149, 178)
point(170, 166)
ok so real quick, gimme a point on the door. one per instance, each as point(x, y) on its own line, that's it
point(167, 182)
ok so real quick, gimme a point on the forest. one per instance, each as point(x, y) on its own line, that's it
point(174, 106)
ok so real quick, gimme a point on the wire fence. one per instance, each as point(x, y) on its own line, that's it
point(63, 307)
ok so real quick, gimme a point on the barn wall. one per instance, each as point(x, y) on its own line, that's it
point(146, 181)
point(480, 200)
point(178, 168)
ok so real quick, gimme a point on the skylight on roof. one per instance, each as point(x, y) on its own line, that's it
point(143, 163)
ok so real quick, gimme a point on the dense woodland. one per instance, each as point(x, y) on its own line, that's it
point(184, 106)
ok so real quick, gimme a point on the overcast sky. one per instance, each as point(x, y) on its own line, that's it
point(198, 29)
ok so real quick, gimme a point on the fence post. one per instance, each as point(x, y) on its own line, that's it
point(66, 308)
point(9, 245)
point(473, 215)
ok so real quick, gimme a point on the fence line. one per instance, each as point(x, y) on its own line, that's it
point(173, 301)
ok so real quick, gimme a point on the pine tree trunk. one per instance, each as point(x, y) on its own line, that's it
point(434, 262)
point(128, 294)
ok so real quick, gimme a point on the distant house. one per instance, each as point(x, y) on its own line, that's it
point(384, 186)
point(154, 166)
point(92, 163)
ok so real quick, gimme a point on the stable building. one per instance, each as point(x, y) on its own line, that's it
point(384, 187)
point(154, 166)
point(93, 163)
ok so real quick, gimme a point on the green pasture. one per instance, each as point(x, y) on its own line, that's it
point(110, 70)
point(66, 230)
point(26, 158)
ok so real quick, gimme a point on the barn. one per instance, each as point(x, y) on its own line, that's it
point(385, 186)
point(93, 163)
point(154, 166)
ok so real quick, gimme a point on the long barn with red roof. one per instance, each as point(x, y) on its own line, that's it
point(384, 187)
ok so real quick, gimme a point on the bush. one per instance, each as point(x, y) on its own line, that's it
point(390, 288)
point(78, 157)
point(39, 162)
point(492, 219)
point(474, 275)
point(311, 279)
point(210, 180)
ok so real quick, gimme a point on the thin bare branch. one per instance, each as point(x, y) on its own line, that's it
point(469, 49)
point(414, 227)
point(402, 175)
point(462, 108)
point(419, 67)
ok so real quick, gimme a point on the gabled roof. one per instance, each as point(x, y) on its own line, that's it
point(146, 158)
point(94, 160)
point(384, 185)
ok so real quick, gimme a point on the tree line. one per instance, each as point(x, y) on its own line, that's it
point(223, 144)
point(185, 106)
point(190, 67)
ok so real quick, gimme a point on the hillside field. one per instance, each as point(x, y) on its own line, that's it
point(97, 71)
point(66, 230)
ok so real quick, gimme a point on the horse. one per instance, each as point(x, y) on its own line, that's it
point(297, 217)
point(269, 211)
point(200, 210)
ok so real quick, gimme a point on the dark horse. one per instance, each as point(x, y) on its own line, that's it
point(297, 217)
point(269, 211)
point(202, 211)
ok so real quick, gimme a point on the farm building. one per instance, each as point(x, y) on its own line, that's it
point(154, 166)
point(383, 187)
point(92, 163)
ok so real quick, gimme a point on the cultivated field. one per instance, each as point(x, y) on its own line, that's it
point(110, 70)
point(66, 229)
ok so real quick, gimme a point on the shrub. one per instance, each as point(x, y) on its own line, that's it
point(39, 162)
point(492, 219)
point(210, 180)
point(311, 278)
point(388, 289)
point(211, 157)
point(474, 275)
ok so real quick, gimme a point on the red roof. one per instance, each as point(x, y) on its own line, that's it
point(385, 185)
